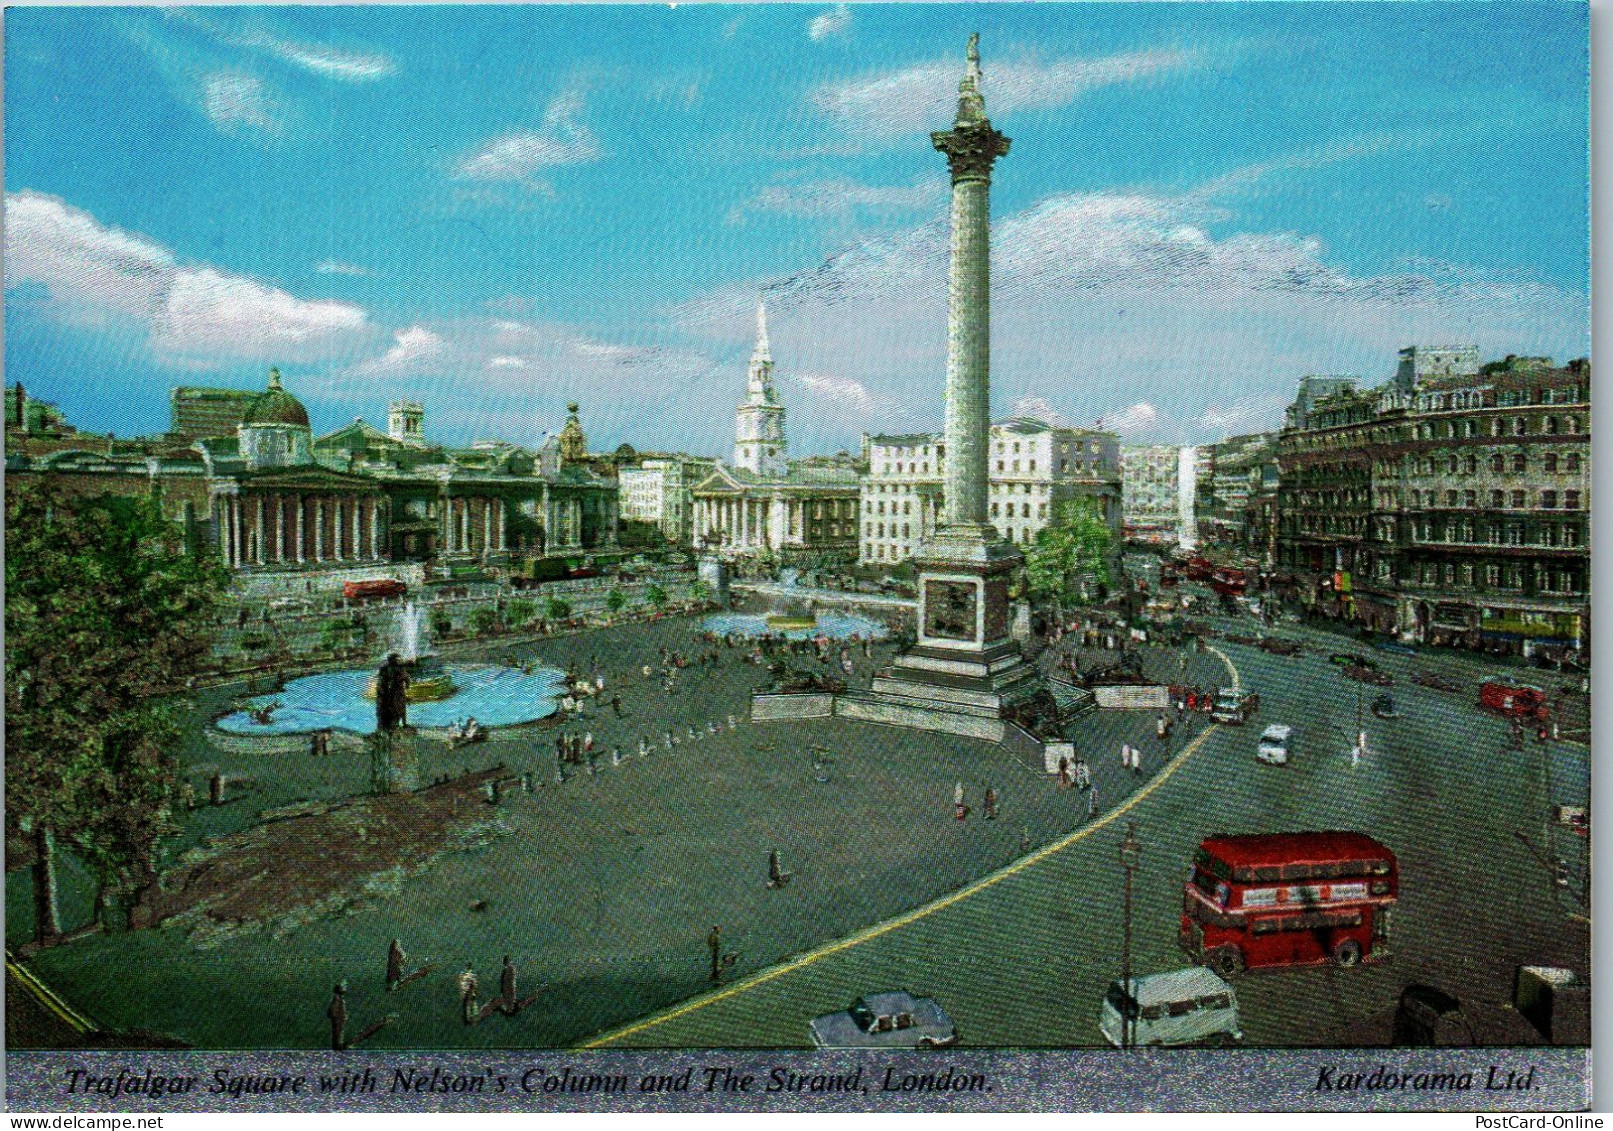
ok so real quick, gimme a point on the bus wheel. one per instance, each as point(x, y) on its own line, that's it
point(1347, 952)
point(1226, 961)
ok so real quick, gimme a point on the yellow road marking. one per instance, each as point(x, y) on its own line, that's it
point(868, 934)
point(47, 996)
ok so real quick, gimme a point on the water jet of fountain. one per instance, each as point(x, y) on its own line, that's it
point(409, 622)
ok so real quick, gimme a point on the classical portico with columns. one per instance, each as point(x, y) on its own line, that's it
point(762, 505)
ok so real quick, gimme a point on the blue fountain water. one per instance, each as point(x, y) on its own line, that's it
point(494, 696)
point(835, 626)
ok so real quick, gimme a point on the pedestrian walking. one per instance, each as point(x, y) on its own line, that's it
point(509, 1004)
point(777, 877)
point(1125, 755)
point(615, 756)
point(1064, 772)
point(714, 943)
point(1137, 759)
point(337, 1012)
point(1083, 775)
point(643, 747)
point(1162, 727)
point(666, 739)
point(1092, 801)
point(394, 964)
point(588, 743)
point(991, 804)
point(616, 705)
point(469, 994)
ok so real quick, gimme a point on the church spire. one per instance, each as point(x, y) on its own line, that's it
point(761, 353)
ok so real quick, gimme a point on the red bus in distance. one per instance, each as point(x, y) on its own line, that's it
point(1289, 899)
point(375, 589)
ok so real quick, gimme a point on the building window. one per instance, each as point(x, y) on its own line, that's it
point(999, 462)
point(1519, 426)
point(1498, 463)
point(1571, 462)
point(1016, 462)
point(1497, 499)
point(1571, 536)
point(1519, 500)
point(1470, 498)
point(1064, 466)
point(1551, 425)
point(1571, 500)
point(993, 510)
point(1492, 576)
point(1520, 463)
point(1548, 500)
point(1573, 425)
point(1450, 498)
point(1514, 533)
point(1467, 575)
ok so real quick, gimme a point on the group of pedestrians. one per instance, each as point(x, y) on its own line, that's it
point(961, 808)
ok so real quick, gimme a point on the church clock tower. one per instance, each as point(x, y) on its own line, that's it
point(759, 421)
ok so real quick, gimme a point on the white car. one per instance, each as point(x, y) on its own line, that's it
point(1182, 1007)
point(1276, 743)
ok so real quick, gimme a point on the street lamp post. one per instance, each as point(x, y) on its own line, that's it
point(1130, 851)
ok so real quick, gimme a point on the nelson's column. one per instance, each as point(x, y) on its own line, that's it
point(965, 668)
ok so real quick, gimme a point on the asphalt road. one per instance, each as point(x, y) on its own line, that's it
point(1025, 960)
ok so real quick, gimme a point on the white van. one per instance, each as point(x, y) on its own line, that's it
point(1276, 741)
point(1182, 1007)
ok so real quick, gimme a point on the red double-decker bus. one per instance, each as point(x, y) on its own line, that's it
point(1289, 899)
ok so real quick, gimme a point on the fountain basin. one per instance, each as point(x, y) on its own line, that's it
point(494, 696)
point(834, 626)
point(786, 623)
point(429, 681)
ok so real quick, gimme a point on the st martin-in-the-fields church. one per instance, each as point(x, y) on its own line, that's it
point(763, 505)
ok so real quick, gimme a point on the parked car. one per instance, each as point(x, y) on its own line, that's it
point(1436, 681)
point(1351, 660)
point(1369, 675)
point(1275, 745)
point(1234, 706)
point(894, 1019)
point(1508, 695)
point(1429, 1017)
point(1182, 1007)
point(1280, 647)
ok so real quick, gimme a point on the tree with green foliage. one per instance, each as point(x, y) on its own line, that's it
point(442, 622)
point(655, 595)
point(616, 600)
point(520, 612)
point(557, 609)
point(482, 620)
point(106, 618)
point(701, 592)
point(1069, 562)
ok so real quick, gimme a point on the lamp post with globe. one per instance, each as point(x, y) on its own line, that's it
point(1130, 853)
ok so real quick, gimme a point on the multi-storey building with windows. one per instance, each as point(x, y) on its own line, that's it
point(1150, 492)
point(1032, 467)
point(1231, 473)
point(1449, 509)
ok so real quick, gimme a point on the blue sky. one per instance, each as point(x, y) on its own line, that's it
point(500, 209)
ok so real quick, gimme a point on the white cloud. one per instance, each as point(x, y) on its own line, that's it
point(839, 196)
point(1099, 296)
point(410, 348)
point(830, 23)
point(330, 62)
point(915, 98)
point(232, 99)
point(337, 267)
point(562, 140)
point(91, 271)
point(506, 361)
point(1131, 420)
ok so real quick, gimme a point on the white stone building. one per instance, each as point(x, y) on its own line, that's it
point(1148, 475)
point(1031, 467)
point(764, 506)
point(660, 490)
